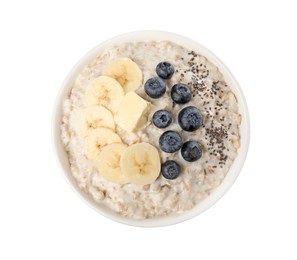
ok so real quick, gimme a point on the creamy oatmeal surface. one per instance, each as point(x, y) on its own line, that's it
point(219, 135)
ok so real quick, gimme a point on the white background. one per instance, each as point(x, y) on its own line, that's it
point(41, 217)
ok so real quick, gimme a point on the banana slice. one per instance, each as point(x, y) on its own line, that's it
point(140, 163)
point(94, 117)
point(97, 139)
point(108, 163)
point(126, 72)
point(104, 91)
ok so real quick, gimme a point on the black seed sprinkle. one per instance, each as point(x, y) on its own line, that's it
point(216, 133)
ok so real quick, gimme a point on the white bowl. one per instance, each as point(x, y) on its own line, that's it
point(191, 45)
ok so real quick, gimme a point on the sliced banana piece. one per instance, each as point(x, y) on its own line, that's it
point(97, 139)
point(94, 117)
point(126, 72)
point(140, 163)
point(104, 91)
point(108, 163)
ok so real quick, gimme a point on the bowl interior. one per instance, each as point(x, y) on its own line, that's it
point(189, 44)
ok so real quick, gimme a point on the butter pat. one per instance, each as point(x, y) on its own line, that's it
point(133, 112)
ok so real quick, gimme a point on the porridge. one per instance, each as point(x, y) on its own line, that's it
point(150, 129)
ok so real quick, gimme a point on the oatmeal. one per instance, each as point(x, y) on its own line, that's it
point(215, 140)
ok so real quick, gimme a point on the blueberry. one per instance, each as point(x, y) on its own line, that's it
point(181, 93)
point(170, 142)
point(162, 118)
point(165, 70)
point(191, 151)
point(170, 169)
point(190, 118)
point(155, 87)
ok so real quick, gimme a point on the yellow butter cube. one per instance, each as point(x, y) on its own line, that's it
point(132, 114)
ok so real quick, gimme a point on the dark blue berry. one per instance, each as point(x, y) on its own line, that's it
point(165, 70)
point(155, 87)
point(181, 93)
point(162, 118)
point(190, 118)
point(191, 151)
point(170, 142)
point(170, 170)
